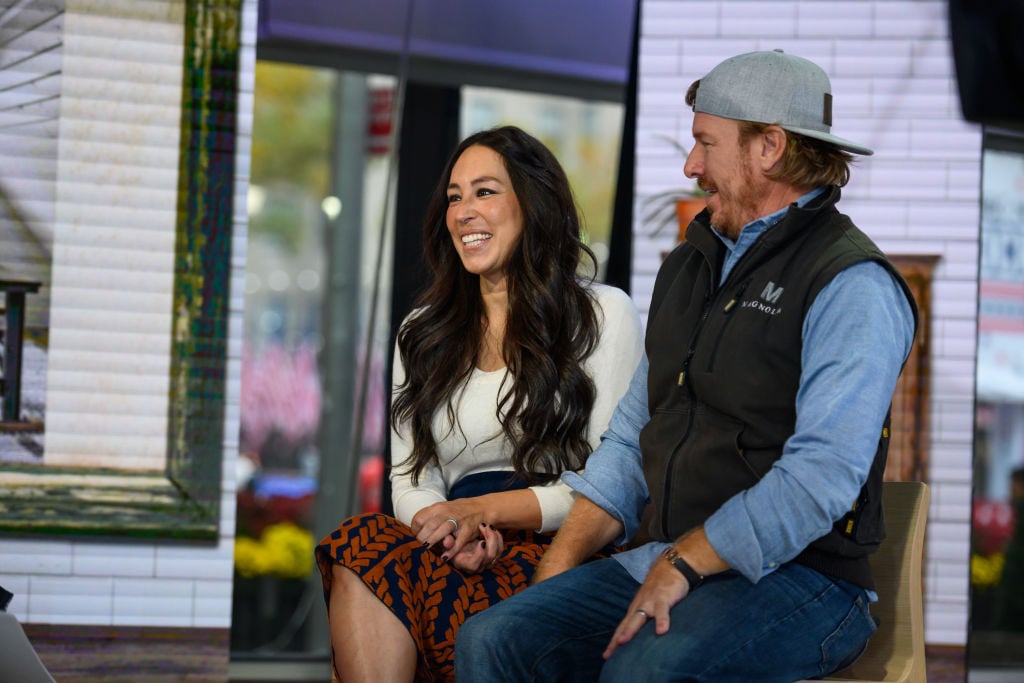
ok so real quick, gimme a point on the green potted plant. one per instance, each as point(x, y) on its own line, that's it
point(676, 206)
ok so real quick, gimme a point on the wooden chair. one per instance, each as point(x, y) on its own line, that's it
point(895, 652)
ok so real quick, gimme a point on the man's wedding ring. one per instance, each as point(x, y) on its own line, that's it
point(642, 613)
point(455, 524)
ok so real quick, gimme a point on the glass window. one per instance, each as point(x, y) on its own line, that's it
point(997, 534)
point(309, 273)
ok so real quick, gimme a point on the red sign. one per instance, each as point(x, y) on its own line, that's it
point(381, 105)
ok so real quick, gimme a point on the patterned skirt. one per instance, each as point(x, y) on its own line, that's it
point(430, 597)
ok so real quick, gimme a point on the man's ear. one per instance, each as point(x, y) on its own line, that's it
point(773, 146)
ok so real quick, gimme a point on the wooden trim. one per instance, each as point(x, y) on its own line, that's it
point(206, 184)
point(908, 447)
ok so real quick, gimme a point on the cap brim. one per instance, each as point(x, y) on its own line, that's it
point(841, 143)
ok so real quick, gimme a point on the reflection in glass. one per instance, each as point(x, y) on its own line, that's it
point(295, 212)
point(997, 541)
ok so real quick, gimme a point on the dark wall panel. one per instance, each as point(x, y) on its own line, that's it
point(538, 44)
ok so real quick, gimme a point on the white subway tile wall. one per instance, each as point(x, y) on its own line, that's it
point(136, 582)
point(895, 90)
point(114, 187)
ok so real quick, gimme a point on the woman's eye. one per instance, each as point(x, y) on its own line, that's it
point(452, 198)
point(484, 191)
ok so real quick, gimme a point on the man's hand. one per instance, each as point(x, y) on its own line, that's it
point(481, 554)
point(663, 588)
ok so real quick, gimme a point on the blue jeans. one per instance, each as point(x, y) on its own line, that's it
point(794, 623)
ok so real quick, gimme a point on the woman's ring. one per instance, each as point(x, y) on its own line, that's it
point(642, 613)
point(455, 524)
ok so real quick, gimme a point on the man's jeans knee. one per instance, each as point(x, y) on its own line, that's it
point(555, 630)
point(793, 624)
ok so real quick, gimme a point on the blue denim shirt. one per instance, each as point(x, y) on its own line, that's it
point(856, 335)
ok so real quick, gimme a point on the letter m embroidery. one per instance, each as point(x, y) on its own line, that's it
point(771, 293)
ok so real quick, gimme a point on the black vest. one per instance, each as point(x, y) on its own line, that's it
point(725, 369)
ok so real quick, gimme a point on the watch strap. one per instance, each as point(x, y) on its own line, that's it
point(689, 573)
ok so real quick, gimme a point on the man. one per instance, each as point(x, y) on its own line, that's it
point(751, 442)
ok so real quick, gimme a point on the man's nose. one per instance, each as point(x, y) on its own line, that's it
point(694, 165)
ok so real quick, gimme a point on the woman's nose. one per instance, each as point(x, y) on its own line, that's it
point(464, 211)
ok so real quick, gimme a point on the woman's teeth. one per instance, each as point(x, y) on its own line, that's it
point(475, 238)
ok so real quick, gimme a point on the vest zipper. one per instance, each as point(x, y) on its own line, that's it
point(726, 310)
point(674, 453)
point(709, 295)
point(729, 307)
point(689, 419)
point(735, 297)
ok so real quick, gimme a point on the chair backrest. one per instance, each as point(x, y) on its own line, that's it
point(896, 651)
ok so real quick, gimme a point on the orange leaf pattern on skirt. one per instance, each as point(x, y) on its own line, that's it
point(430, 597)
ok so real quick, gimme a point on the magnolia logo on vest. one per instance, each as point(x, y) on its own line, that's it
point(771, 294)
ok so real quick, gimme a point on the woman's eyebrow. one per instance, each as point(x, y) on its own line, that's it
point(482, 179)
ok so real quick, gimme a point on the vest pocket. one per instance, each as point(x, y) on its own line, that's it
point(706, 469)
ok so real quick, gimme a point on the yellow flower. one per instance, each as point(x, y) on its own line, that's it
point(986, 569)
point(283, 550)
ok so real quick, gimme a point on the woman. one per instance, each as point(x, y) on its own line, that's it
point(505, 376)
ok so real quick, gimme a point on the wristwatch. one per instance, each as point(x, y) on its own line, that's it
point(692, 577)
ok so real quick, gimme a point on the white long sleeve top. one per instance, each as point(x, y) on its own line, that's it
point(477, 444)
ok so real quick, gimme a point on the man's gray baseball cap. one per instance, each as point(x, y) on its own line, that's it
point(775, 88)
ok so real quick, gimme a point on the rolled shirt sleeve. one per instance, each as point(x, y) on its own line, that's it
point(613, 477)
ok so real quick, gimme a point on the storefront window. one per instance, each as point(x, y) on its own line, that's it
point(997, 539)
point(297, 219)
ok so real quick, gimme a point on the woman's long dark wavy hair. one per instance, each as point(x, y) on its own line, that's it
point(552, 325)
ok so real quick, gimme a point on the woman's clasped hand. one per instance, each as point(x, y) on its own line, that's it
point(471, 544)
